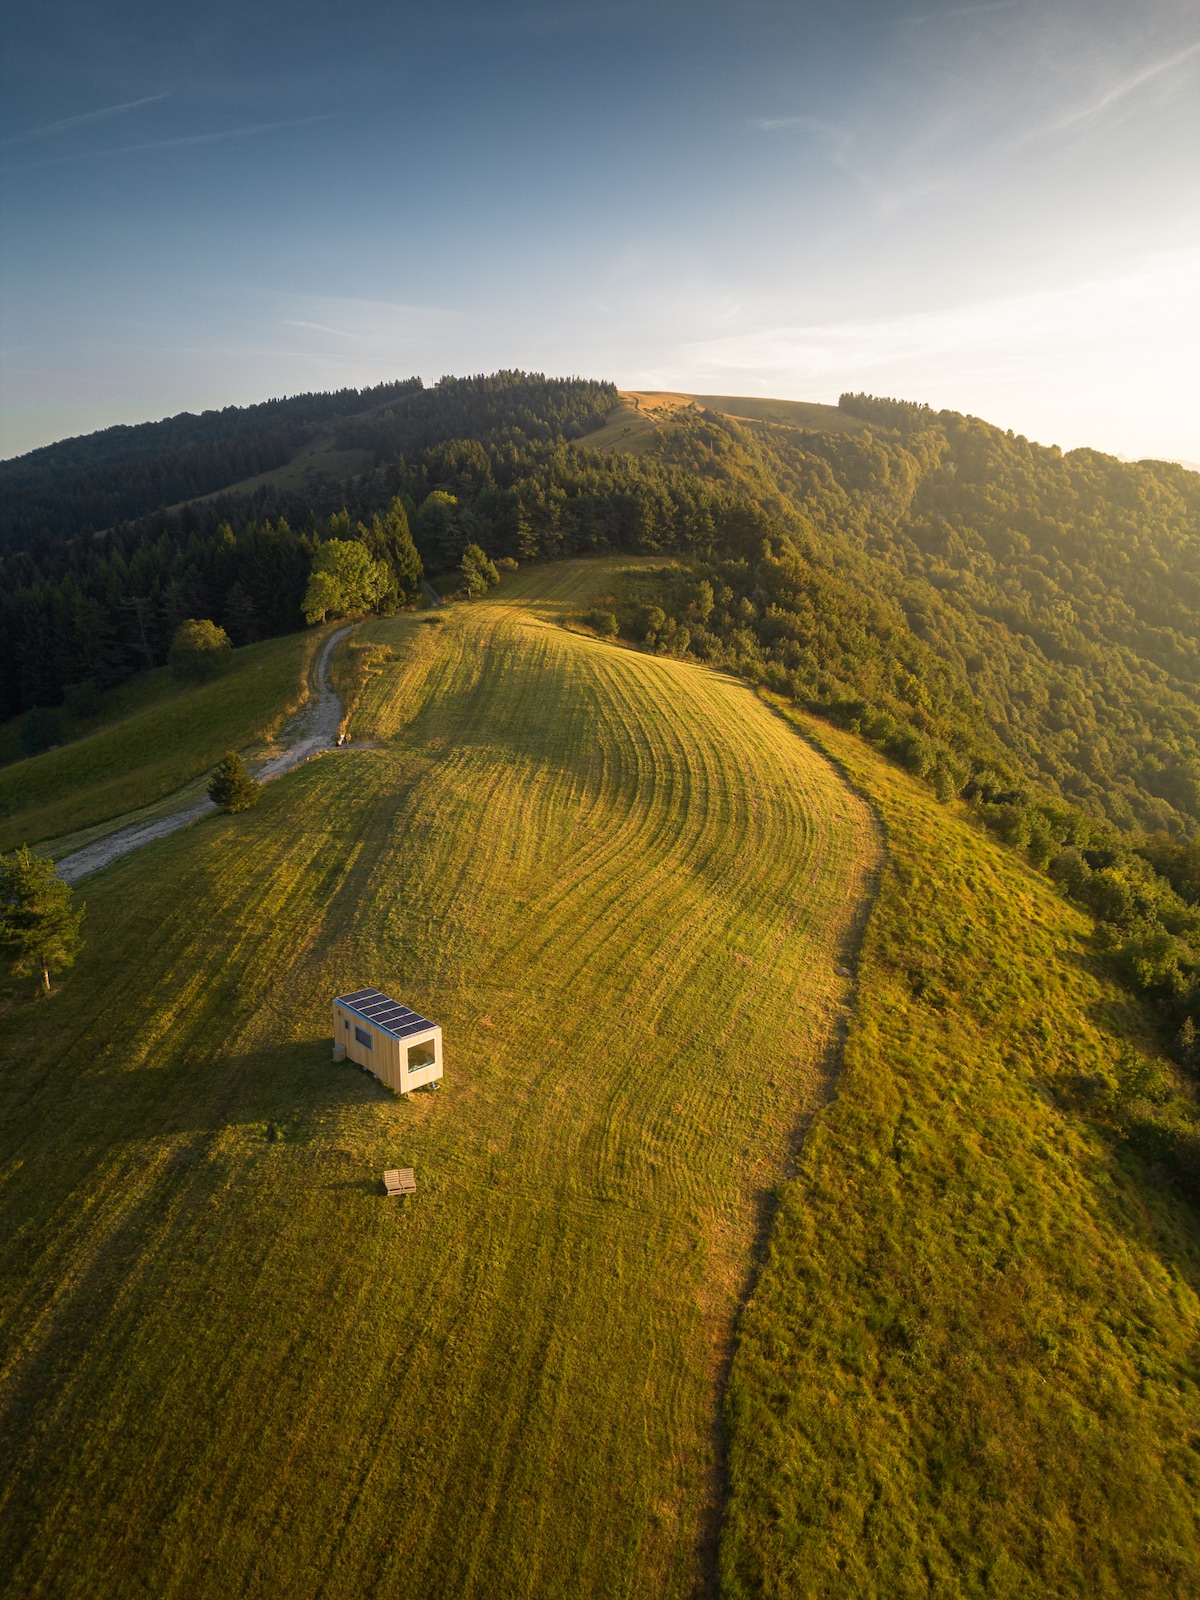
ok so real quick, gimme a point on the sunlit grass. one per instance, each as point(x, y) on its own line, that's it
point(623, 887)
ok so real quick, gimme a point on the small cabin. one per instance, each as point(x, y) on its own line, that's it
point(401, 1048)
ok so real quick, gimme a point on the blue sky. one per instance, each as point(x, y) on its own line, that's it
point(993, 206)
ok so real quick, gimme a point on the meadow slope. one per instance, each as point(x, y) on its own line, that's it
point(627, 891)
point(146, 757)
point(969, 1367)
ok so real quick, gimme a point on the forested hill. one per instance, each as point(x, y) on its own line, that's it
point(97, 479)
point(974, 602)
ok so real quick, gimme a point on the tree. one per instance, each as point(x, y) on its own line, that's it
point(323, 595)
point(479, 573)
point(231, 786)
point(390, 541)
point(438, 530)
point(239, 616)
point(199, 650)
point(39, 926)
point(344, 577)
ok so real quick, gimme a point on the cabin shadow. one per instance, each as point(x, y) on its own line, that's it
point(279, 1092)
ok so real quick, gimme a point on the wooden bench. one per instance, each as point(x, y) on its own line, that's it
point(400, 1182)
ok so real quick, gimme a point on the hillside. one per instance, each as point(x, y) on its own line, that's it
point(745, 1256)
point(150, 753)
point(626, 890)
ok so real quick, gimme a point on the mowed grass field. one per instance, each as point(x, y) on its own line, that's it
point(158, 747)
point(627, 890)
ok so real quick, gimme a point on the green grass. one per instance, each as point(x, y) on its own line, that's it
point(970, 1365)
point(232, 1367)
point(166, 739)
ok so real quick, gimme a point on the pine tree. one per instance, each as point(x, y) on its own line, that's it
point(232, 788)
point(39, 926)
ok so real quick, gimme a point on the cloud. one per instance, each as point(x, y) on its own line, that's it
point(87, 116)
point(318, 327)
point(1118, 91)
point(171, 144)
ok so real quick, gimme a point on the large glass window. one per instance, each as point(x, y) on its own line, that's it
point(363, 1037)
point(420, 1055)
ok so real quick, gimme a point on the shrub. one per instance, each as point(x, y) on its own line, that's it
point(604, 622)
point(199, 651)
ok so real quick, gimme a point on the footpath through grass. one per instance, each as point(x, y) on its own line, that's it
point(154, 751)
point(970, 1366)
point(232, 1367)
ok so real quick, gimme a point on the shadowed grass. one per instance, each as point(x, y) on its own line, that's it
point(154, 751)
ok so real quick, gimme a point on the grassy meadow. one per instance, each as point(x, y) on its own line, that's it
point(163, 737)
point(627, 890)
point(969, 1367)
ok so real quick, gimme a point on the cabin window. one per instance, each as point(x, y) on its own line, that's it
point(363, 1037)
point(420, 1055)
point(346, 1024)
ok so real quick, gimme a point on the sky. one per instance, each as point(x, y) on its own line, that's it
point(992, 207)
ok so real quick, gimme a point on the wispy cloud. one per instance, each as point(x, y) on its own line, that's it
point(1118, 91)
point(172, 144)
point(64, 123)
point(318, 327)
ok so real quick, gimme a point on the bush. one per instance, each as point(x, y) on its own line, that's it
point(199, 651)
point(604, 622)
point(41, 729)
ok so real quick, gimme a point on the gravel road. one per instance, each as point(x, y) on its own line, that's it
point(321, 725)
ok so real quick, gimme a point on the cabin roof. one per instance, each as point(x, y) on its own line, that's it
point(388, 1015)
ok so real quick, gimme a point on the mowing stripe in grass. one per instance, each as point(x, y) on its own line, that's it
point(622, 886)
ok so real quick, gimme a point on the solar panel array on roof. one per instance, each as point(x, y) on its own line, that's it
point(388, 1015)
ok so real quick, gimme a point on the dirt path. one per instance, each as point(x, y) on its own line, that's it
point(323, 715)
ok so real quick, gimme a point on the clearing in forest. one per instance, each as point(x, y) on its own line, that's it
point(625, 888)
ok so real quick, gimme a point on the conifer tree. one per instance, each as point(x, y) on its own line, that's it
point(478, 572)
point(39, 926)
point(232, 788)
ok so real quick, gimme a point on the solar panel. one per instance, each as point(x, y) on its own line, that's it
point(387, 1014)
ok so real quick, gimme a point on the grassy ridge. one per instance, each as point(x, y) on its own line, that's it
point(621, 884)
point(151, 753)
point(969, 1367)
